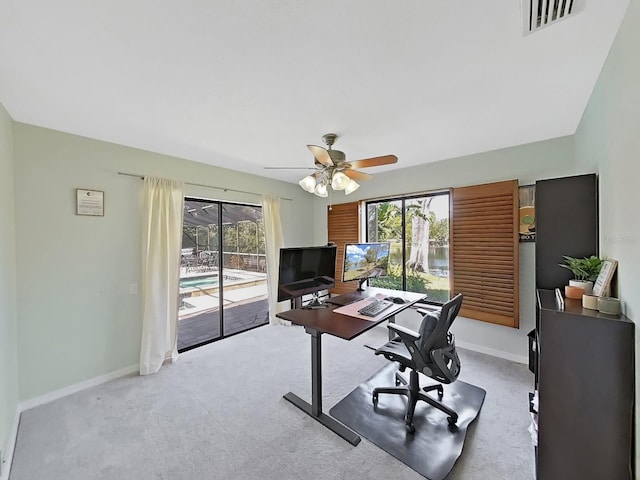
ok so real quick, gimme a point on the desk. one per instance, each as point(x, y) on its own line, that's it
point(325, 320)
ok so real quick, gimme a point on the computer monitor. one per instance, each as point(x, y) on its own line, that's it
point(363, 261)
point(306, 270)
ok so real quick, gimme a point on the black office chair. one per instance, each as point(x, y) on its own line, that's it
point(432, 352)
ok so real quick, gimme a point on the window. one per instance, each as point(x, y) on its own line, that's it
point(418, 229)
point(463, 240)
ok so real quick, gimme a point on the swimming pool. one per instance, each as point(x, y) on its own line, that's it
point(202, 282)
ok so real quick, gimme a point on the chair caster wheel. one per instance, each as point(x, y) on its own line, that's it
point(410, 428)
point(452, 421)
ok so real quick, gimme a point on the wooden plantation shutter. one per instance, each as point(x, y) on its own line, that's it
point(484, 251)
point(343, 222)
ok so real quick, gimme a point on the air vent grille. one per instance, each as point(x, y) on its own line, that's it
point(538, 14)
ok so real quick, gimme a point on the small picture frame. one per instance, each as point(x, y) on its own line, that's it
point(527, 227)
point(89, 202)
point(603, 282)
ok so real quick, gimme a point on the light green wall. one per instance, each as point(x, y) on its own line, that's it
point(527, 163)
point(8, 315)
point(76, 318)
point(608, 140)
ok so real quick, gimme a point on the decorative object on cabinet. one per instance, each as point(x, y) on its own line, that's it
point(573, 292)
point(590, 302)
point(603, 281)
point(609, 305)
point(585, 271)
point(527, 228)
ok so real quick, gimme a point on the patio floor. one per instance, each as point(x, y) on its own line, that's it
point(205, 326)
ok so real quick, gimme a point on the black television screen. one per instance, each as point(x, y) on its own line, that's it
point(305, 270)
point(365, 260)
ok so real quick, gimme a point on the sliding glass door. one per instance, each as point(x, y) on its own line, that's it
point(223, 279)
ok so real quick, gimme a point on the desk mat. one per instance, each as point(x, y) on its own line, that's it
point(352, 310)
point(435, 447)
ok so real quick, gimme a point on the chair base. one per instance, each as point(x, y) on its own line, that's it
point(413, 394)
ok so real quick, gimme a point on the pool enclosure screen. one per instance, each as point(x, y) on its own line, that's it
point(223, 277)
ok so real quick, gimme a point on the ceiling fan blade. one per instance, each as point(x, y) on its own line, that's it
point(290, 168)
point(321, 155)
point(356, 175)
point(374, 161)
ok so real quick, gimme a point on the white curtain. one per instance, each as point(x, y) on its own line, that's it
point(274, 241)
point(161, 243)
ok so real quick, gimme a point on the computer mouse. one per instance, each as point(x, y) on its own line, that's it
point(397, 299)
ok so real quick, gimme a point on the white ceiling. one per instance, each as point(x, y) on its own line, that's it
point(247, 84)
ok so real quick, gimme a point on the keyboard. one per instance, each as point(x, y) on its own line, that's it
point(375, 307)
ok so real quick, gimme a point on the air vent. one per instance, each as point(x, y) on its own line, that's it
point(537, 14)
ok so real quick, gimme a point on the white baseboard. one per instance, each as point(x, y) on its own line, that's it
point(493, 352)
point(486, 350)
point(63, 392)
point(11, 447)
point(50, 397)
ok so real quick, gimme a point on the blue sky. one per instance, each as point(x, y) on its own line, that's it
point(355, 253)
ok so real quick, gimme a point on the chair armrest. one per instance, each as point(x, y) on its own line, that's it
point(409, 338)
point(403, 331)
point(423, 310)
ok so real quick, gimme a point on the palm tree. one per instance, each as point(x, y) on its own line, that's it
point(421, 219)
point(386, 220)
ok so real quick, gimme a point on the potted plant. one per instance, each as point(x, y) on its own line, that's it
point(585, 271)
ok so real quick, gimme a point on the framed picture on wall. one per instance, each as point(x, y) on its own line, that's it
point(527, 228)
point(89, 202)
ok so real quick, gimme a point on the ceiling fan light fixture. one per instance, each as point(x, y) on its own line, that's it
point(333, 171)
point(308, 183)
point(339, 181)
point(351, 187)
point(321, 190)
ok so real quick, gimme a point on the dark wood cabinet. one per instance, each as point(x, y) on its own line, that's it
point(586, 392)
point(566, 224)
point(583, 360)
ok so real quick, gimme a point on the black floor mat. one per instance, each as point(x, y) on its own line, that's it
point(435, 446)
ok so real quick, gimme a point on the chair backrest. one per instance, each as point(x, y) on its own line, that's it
point(435, 325)
point(436, 345)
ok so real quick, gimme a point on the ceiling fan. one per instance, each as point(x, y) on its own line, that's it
point(333, 169)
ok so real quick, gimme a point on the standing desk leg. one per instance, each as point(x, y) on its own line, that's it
point(315, 408)
point(316, 373)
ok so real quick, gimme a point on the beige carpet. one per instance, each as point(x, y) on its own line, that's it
point(219, 413)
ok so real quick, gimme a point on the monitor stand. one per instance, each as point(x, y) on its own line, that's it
point(315, 302)
point(360, 283)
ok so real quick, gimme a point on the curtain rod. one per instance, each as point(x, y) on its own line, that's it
point(205, 186)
